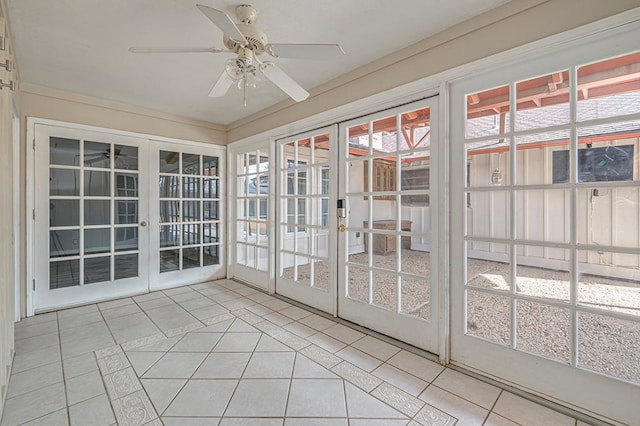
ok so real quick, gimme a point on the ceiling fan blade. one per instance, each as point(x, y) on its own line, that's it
point(152, 49)
point(284, 82)
point(222, 86)
point(305, 51)
point(223, 21)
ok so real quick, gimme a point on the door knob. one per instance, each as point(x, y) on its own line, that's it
point(341, 227)
point(143, 223)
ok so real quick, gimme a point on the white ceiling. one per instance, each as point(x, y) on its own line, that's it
point(82, 45)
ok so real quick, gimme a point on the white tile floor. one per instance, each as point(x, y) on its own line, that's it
point(221, 353)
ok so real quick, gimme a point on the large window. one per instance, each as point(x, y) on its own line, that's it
point(553, 228)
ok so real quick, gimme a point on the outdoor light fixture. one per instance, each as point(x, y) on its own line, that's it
point(496, 177)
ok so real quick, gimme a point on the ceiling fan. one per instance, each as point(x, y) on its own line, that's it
point(248, 42)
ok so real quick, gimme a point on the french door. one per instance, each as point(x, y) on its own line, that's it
point(117, 215)
point(358, 225)
point(251, 173)
point(306, 218)
point(388, 239)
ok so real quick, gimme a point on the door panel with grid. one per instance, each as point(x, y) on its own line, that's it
point(95, 200)
point(186, 226)
point(305, 228)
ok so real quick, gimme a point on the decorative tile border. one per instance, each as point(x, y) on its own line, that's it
point(322, 357)
point(134, 409)
point(355, 375)
point(398, 399)
point(184, 329)
point(430, 415)
point(219, 318)
point(130, 403)
point(143, 341)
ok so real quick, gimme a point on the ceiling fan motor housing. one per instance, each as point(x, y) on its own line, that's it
point(257, 40)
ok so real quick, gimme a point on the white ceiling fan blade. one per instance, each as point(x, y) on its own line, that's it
point(222, 85)
point(223, 21)
point(305, 51)
point(152, 49)
point(284, 82)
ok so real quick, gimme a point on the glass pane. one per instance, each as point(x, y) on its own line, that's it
point(488, 113)
point(486, 273)
point(169, 235)
point(190, 211)
point(539, 273)
point(64, 182)
point(170, 211)
point(384, 252)
point(543, 215)
point(304, 271)
point(64, 152)
point(489, 317)
point(97, 240)
point(190, 187)
point(609, 217)
point(359, 140)
point(263, 262)
point(210, 255)
point(126, 157)
point(126, 238)
point(126, 185)
point(210, 188)
point(543, 330)
point(97, 154)
point(321, 272)
point(126, 211)
point(169, 162)
point(609, 281)
point(97, 212)
point(210, 233)
point(191, 258)
point(190, 164)
point(65, 273)
point(533, 156)
point(241, 255)
point(286, 261)
point(209, 166)
point(414, 178)
point(358, 283)
point(609, 346)
point(609, 88)
point(97, 184)
point(210, 210)
point(416, 299)
point(416, 130)
point(490, 216)
point(385, 290)
point(97, 269)
point(605, 158)
point(64, 213)
point(488, 163)
point(64, 243)
point(126, 266)
point(543, 101)
point(169, 187)
point(169, 260)
point(385, 135)
point(321, 149)
point(191, 234)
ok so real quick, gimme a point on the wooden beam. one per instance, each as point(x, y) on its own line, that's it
point(473, 99)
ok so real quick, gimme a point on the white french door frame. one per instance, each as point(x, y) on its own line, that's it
point(426, 335)
point(568, 385)
point(324, 301)
point(30, 184)
point(261, 279)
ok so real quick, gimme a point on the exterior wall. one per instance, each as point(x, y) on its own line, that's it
point(41, 102)
point(7, 230)
point(610, 218)
point(514, 24)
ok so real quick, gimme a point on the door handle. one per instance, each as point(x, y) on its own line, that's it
point(143, 223)
point(341, 227)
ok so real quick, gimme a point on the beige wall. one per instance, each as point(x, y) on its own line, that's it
point(6, 219)
point(514, 24)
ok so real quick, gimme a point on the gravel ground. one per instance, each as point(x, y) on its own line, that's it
point(605, 344)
